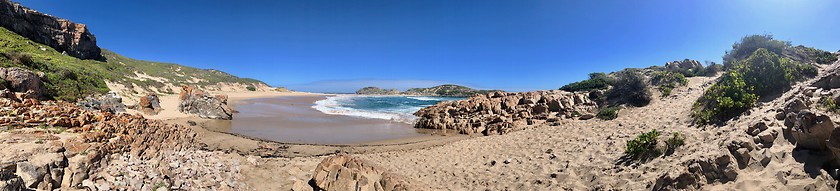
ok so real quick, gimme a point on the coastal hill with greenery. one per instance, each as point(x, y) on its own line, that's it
point(447, 90)
point(69, 78)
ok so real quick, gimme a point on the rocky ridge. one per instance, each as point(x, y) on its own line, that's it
point(500, 112)
point(62, 35)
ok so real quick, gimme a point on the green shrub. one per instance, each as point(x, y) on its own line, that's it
point(251, 88)
point(667, 81)
point(712, 69)
point(608, 113)
point(629, 87)
point(675, 141)
point(764, 73)
point(596, 81)
point(829, 104)
point(750, 44)
point(642, 145)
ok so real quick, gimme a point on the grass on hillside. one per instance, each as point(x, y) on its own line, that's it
point(69, 78)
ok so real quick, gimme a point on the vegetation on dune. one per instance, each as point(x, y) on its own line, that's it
point(596, 81)
point(667, 81)
point(764, 73)
point(608, 113)
point(629, 87)
point(750, 44)
point(676, 140)
point(68, 78)
point(642, 145)
point(829, 104)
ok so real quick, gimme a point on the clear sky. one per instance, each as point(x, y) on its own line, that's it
point(512, 45)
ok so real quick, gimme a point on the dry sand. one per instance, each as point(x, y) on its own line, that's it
point(577, 155)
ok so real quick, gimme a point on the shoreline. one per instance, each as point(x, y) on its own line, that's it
point(218, 138)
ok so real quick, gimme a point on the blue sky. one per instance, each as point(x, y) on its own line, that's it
point(510, 45)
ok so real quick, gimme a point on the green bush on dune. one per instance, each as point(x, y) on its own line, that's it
point(750, 44)
point(608, 113)
point(667, 81)
point(764, 73)
point(596, 81)
point(642, 145)
point(629, 87)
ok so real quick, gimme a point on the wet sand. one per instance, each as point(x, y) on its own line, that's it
point(291, 119)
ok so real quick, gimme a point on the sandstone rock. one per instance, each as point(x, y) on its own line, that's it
point(795, 105)
point(699, 171)
point(683, 65)
point(344, 172)
point(22, 80)
point(833, 144)
point(485, 113)
point(811, 131)
point(42, 171)
point(205, 106)
point(149, 104)
point(60, 34)
point(586, 116)
point(757, 128)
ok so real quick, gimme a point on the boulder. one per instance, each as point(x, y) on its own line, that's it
point(683, 65)
point(811, 131)
point(149, 104)
point(205, 106)
point(795, 105)
point(22, 80)
point(110, 102)
point(42, 171)
point(344, 172)
point(62, 35)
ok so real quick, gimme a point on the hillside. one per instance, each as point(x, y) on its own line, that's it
point(447, 90)
point(69, 78)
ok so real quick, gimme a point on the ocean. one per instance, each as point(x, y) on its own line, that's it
point(396, 108)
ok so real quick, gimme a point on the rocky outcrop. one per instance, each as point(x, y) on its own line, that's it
point(23, 81)
point(74, 163)
point(149, 104)
point(194, 101)
point(344, 172)
point(110, 102)
point(500, 113)
point(684, 65)
point(811, 131)
point(700, 171)
point(377, 91)
point(62, 35)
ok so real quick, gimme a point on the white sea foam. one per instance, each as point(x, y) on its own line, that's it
point(334, 106)
point(427, 98)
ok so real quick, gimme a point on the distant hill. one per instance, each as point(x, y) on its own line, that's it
point(71, 71)
point(377, 91)
point(441, 90)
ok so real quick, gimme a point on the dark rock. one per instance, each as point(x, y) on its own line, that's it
point(60, 34)
point(110, 102)
point(22, 80)
point(203, 105)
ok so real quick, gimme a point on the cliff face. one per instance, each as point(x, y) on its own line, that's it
point(60, 34)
